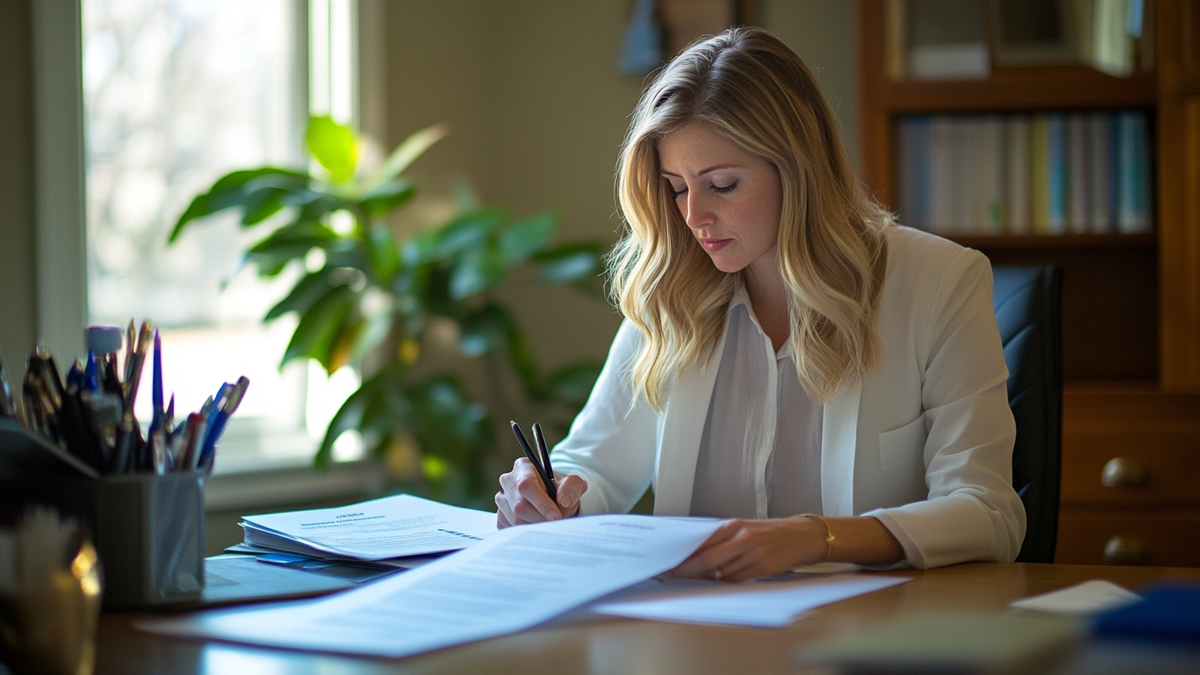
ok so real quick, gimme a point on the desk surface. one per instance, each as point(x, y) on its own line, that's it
point(629, 646)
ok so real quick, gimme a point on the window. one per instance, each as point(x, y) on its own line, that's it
point(177, 93)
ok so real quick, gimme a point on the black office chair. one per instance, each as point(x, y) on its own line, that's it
point(1027, 302)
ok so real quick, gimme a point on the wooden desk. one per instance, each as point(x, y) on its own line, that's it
point(628, 646)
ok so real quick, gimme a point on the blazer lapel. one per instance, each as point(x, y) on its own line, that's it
point(679, 431)
point(839, 438)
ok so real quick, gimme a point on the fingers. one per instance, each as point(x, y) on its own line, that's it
point(570, 490)
point(535, 505)
point(713, 553)
point(522, 498)
point(504, 514)
point(748, 549)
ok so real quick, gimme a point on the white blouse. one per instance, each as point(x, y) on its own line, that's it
point(760, 454)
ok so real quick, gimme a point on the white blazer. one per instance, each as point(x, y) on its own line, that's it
point(924, 443)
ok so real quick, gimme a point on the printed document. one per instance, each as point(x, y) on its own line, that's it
point(401, 525)
point(514, 579)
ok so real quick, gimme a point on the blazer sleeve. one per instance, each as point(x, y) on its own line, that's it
point(972, 511)
point(611, 443)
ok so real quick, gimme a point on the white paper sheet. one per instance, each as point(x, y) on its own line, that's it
point(771, 604)
point(514, 579)
point(1090, 597)
point(401, 525)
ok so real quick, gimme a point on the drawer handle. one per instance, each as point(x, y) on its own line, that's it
point(1122, 472)
point(1126, 551)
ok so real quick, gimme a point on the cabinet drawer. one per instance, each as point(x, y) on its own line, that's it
point(1130, 537)
point(1139, 467)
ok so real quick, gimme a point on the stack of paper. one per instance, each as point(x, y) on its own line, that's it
point(392, 527)
point(515, 579)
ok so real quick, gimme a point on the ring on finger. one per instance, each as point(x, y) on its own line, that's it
point(717, 574)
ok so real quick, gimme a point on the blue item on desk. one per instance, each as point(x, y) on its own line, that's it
point(1168, 612)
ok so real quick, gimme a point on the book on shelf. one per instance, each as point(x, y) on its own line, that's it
point(1017, 174)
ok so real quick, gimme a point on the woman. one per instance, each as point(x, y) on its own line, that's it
point(789, 359)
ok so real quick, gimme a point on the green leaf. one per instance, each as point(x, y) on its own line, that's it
point(492, 325)
point(319, 205)
point(347, 418)
point(388, 411)
point(525, 237)
point(234, 189)
point(334, 146)
point(382, 252)
point(262, 204)
point(320, 326)
point(478, 270)
point(569, 263)
point(446, 421)
point(467, 230)
point(520, 357)
point(303, 295)
point(368, 409)
point(484, 330)
point(421, 249)
point(406, 153)
point(371, 336)
point(382, 200)
point(292, 241)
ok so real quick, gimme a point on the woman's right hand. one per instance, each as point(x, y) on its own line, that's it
point(522, 498)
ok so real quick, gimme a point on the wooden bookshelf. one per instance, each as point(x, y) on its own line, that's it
point(1076, 241)
point(1131, 303)
point(1075, 88)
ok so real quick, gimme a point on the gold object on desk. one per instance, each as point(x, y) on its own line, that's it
point(51, 607)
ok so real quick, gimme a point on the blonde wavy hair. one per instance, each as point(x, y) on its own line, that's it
point(754, 90)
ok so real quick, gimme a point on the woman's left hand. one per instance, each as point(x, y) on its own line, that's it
point(748, 549)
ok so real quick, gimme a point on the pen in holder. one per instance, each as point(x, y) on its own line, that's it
point(74, 444)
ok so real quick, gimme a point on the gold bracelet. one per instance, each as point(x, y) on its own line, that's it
point(828, 534)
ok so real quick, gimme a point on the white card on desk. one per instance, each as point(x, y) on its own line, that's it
point(1090, 597)
point(770, 604)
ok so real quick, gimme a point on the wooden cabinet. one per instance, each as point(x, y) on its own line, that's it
point(1131, 303)
point(1131, 476)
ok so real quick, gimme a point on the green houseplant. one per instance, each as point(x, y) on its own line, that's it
point(369, 299)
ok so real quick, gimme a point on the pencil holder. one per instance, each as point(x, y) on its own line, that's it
point(150, 537)
point(148, 528)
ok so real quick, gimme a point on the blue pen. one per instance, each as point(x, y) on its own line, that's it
point(75, 376)
point(232, 399)
point(91, 376)
point(218, 401)
point(157, 419)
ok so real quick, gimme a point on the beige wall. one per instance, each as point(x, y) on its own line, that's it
point(538, 110)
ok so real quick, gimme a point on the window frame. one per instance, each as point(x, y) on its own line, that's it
point(61, 239)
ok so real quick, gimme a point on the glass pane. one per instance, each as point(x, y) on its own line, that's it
point(177, 93)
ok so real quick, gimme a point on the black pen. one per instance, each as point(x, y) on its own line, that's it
point(548, 471)
point(548, 481)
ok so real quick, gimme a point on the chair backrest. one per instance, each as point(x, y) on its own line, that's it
point(1027, 302)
